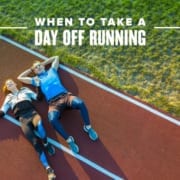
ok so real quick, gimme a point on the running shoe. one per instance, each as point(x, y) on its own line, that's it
point(73, 146)
point(91, 132)
point(50, 149)
point(51, 174)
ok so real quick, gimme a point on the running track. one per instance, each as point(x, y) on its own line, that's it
point(136, 142)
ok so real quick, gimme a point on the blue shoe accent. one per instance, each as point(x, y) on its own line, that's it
point(50, 149)
point(73, 146)
point(92, 133)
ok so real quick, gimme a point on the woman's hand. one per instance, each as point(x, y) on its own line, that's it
point(1, 114)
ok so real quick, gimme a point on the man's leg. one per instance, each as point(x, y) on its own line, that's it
point(77, 103)
point(54, 116)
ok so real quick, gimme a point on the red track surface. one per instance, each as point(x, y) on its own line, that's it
point(134, 144)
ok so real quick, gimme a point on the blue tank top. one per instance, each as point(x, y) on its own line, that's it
point(50, 84)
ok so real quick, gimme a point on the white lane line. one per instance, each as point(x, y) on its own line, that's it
point(56, 144)
point(131, 100)
point(77, 156)
point(10, 27)
point(166, 27)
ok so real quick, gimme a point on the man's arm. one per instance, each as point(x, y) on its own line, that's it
point(54, 60)
point(23, 77)
point(55, 63)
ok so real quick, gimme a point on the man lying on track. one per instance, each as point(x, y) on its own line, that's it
point(58, 98)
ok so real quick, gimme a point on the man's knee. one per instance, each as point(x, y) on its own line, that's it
point(53, 116)
point(77, 103)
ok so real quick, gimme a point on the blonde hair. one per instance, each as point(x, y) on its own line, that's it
point(5, 89)
point(34, 64)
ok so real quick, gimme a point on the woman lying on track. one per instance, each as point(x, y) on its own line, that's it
point(20, 102)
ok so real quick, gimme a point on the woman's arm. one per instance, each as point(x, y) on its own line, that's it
point(1, 113)
point(5, 106)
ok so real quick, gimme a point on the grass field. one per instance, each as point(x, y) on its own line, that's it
point(150, 73)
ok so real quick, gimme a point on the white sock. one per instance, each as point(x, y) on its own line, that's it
point(88, 127)
point(69, 139)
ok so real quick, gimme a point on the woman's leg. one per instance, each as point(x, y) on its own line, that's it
point(30, 135)
point(28, 131)
point(38, 125)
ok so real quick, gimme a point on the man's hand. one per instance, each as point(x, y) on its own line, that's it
point(37, 81)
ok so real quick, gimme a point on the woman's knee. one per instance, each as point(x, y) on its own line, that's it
point(36, 120)
point(37, 146)
point(40, 129)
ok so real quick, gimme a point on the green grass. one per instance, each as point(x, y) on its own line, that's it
point(150, 73)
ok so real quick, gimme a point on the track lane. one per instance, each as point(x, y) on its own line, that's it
point(133, 143)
